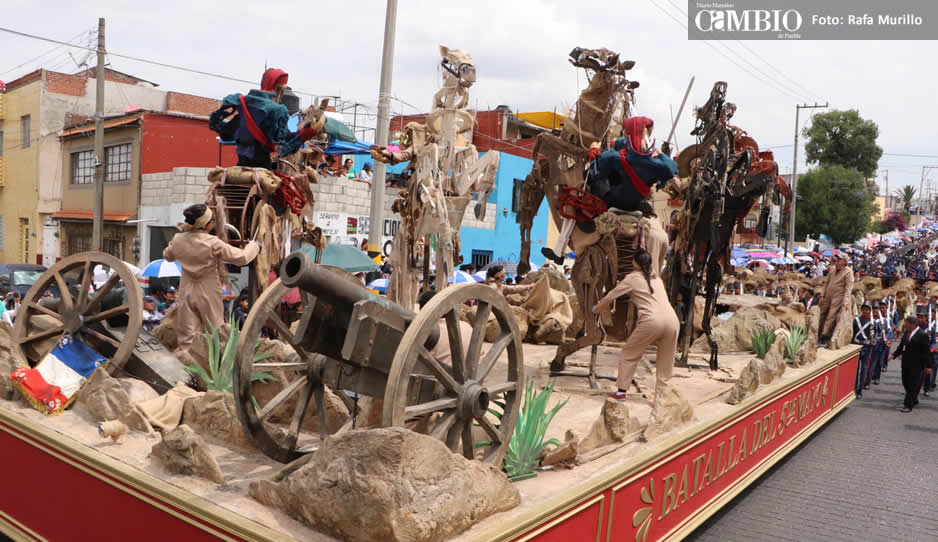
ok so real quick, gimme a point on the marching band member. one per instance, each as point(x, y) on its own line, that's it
point(863, 335)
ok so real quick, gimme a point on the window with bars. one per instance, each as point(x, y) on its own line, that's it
point(516, 196)
point(118, 160)
point(78, 243)
point(83, 168)
point(114, 247)
point(481, 258)
point(750, 223)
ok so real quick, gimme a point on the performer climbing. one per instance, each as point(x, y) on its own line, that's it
point(657, 323)
point(202, 257)
point(623, 177)
point(260, 122)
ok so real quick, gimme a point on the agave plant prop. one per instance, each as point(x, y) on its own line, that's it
point(762, 339)
point(221, 363)
point(798, 335)
point(527, 442)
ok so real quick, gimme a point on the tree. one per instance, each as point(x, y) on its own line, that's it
point(845, 139)
point(836, 201)
point(906, 194)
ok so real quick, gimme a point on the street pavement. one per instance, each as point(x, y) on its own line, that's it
point(870, 474)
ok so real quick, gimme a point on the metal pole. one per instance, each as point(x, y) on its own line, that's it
point(376, 220)
point(97, 231)
point(790, 242)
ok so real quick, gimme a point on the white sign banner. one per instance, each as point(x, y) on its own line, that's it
point(353, 229)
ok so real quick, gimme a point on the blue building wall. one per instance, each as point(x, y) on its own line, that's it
point(505, 240)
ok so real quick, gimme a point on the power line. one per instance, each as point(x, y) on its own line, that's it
point(789, 85)
point(152, 62)
point(740, 66)
point(56, 48)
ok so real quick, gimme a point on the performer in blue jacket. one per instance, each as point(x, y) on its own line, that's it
point(623, 176)
point(864, 335)
point(259, 124)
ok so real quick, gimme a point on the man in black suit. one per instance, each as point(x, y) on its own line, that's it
point(915, 351)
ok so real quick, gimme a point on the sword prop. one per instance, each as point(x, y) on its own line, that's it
point(679, 110)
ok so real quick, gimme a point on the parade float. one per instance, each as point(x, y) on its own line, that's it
point(356, 417)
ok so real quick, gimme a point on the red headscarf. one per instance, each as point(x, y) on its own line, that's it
point(634, 128)
point(273, 77)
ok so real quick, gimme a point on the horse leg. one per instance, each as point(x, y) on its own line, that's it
point(714, 277)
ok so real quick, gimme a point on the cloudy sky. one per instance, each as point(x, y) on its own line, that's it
point(520, 49)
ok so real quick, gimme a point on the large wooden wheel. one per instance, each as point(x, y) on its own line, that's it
point(273, 413)
point(471, 384)
point(61, 301)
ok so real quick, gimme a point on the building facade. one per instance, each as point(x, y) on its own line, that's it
point(34, 111)
point(135, 144)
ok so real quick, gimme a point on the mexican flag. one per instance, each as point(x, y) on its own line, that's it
point(52, 385)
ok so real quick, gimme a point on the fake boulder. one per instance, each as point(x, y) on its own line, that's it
point(214, 415)
point(182, 451)
point(746, 383)
point(735, 335)
point(843, 330)
point(611, 427)
point(671, 410)
point(166, 331)
point(104, 400)
point(389, 484)
point(10, 359)
point(808, 351)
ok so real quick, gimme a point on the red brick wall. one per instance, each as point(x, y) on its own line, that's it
point(190, 104)
point(61, 83)
point(170, 142)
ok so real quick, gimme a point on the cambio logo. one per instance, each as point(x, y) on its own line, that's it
point(748, 20)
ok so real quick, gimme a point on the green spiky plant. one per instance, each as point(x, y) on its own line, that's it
point(527, 443)
point(798, 336)
point(221, 363)
point(762, 339)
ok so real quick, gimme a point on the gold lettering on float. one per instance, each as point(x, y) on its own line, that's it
point(708, 470)
point(681, 491)
point(697, 462)
point(720, 461)
point(741, 456)
point(730, 454)
point(668, 500)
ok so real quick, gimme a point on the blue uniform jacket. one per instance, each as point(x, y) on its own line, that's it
point(270, 116)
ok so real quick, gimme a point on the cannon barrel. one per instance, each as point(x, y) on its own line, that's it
point(349, 322)
point(297, 270)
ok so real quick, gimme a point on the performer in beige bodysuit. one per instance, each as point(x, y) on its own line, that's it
point(657, 323)
point(202, 257)
point(837, 296)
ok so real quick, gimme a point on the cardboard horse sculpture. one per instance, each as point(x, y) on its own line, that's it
point(727, 175)
point(447, 170)
point(603, 247)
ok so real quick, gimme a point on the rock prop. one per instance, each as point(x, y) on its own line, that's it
point(671, 410)
point(735, 335)
point(104, 400)
point(138, 390)
point(182, 451)
point(843, 330)
point(166, 331)
point(10, 359)
point(389, 484)
point(746, 383)
point(565, 454)
point(808, 352)
point(612, 426)
point(214, 415)
point(773, 366)
point(337, 414)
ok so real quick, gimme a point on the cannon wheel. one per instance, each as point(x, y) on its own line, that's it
point(469, 386)
point(77, 309)
point(297, 377)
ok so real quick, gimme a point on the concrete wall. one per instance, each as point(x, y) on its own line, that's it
point(21, 241)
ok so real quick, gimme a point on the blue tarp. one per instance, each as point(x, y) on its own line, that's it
point(343, 147)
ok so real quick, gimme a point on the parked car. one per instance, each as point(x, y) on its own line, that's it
point(19, 277)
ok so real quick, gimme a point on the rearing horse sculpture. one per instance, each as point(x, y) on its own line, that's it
point(727, 175)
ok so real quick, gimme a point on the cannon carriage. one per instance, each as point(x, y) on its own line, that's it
point(354, 341)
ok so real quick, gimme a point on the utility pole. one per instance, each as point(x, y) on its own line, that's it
point(376, 220)
point(790, 242)
point(97, 231)
point(888, 206)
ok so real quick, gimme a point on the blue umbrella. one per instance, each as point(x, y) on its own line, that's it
point(460, 277)
point(162, 268)
point(378, 285)
point(479, 276)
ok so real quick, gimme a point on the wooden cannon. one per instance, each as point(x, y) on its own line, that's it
point(361, 344)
